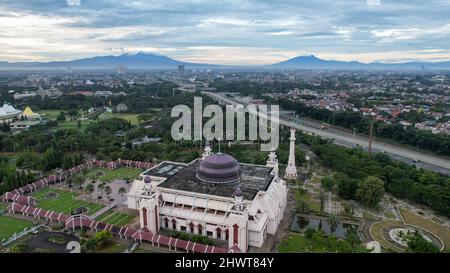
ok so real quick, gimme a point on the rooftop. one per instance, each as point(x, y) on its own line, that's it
point(182, 177)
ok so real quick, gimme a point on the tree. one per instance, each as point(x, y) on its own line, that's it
point(353, 239)
point(101, 188)
point(103, 237)
point(327, 183)
point(352, 208)
point(78, 181)
point(122, 191)
point(61, 117)
point(108, 191)
point(333, 221)
point(370, 191)
point(322, 198)
point(69, 182)
point(346, 186)
point(418, 244)
point(89, 189)
point(302, 206)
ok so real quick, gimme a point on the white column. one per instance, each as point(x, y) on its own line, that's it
point(291, 170)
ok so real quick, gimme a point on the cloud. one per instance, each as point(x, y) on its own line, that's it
point(373, 2)
point(229, 31)
point(73, 2)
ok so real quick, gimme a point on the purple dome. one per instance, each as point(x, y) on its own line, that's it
point(219, 169)
point(147, 179)
point(238, 192)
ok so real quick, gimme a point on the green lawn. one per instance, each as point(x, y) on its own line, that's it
point(376, 230)
point(9, 226)
point(68, 124)
point(49, 114)
point(65, 202)
point(299, 195)
point(294, 243)
point(297, 243)
point(120, 173)
point(114, 247)
point(116, 218)
point(133, 118)
point(417, 220)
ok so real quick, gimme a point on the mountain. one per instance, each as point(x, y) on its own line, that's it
point(143, 60)
point(138, 61)
point(312, 62)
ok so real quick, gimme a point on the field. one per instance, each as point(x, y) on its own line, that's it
point(9, 226)
point(116, 218)
point(294, 243)
point(297, 243)
point(49, 114)
point(414, 219)
point(68, 124)
point(113, 247)
point(133, 118)
point(65, 202)
point(119, 173)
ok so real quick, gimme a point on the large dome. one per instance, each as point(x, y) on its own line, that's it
point(219, 169)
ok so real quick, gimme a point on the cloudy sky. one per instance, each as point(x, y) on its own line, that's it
point(226, 31)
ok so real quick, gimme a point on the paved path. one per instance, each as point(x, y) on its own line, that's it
point(105, 209)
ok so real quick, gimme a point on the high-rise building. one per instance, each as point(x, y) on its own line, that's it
point(181, 69)
point(121, 70)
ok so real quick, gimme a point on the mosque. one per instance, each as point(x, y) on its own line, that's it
point(8, 113)
point(213, 196)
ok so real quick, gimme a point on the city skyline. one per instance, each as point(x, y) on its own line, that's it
point(230, 32)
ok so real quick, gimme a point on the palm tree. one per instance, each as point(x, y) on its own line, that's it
point(323, 199)
point(302, 206)
point(352, 207)
point(108, 191)
point(333, 221)
point(69, 182)
point(353, 239)
point(101, 188)
point(78, 181)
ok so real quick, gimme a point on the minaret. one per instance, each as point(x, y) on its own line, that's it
point(206, 151)
point(291, 170)
point(272, 162)
point(237, 223)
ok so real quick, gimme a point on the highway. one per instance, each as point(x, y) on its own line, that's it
point(343, 138)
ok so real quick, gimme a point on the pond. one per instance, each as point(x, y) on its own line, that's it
point(50, 241)
point(301, 224)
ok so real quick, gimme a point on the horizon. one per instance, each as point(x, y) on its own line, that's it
point(229, 33)
point(231, 65)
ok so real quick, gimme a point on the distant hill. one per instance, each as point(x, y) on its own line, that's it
point(312, 62)
point(139, 60)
